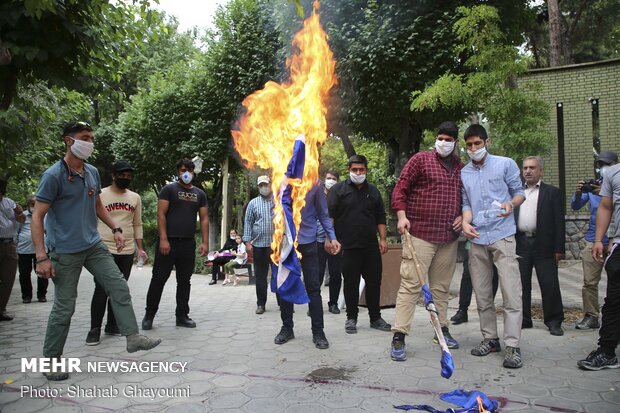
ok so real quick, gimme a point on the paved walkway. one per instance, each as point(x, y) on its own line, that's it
point(234, 366)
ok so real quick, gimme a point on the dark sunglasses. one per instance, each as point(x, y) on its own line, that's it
point(77, 125)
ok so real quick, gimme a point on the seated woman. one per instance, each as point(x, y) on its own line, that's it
point(222, 256)
point(240, 257)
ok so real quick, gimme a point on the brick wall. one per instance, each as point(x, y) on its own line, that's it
point(574, 86)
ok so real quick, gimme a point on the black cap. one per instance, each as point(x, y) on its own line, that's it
point(448, 128)
point(120, 166)
point(607, 157)
point(74, 127)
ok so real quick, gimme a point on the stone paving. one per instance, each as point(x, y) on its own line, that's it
point(234, 366)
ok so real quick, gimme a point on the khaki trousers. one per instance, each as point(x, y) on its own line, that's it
point(481, 259)
point(591, 277)
point(439, 262)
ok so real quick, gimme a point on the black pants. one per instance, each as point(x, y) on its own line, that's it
point(26, 263)
point(547, 273)
point(466, 286)
point(100, 297)
point(262, 260)
point(365, 262)
point(334, 263)
point(182, 257)
point(609, 334)
point(312, 282)
point(218, 263)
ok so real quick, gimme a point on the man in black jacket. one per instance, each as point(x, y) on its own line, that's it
point(540, 244)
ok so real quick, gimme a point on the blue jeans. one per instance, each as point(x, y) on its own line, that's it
point(310, 269)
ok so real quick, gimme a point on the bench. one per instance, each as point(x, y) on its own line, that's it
point(246, 269)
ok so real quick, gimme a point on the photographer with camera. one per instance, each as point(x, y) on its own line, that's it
point(588, 192)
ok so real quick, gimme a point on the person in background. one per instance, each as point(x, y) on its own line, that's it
point(333, 262)
point(26, 259)
point(591, 268)
point(178, 206)
point(540, 244)
point(125, 207)
point(220, 259)
point(239, 256)
point(257, 234)
point(10, 215)
point(357, 209)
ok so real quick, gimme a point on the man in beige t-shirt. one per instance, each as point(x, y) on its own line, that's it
point(125, 207)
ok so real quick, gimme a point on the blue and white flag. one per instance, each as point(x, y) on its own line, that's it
point(286, 276)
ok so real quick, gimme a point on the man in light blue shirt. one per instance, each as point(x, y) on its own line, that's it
point(492, 188)
point(314, 210)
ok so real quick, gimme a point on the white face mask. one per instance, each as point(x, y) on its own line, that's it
point(603, 170)
point(186, 177)
point(444, 148)
point(478, 154)
point(329, 183)
point(357, 179)
point(82, 149)
point(264, 191)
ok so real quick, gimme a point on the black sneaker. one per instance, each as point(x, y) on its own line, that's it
point(599, 360)
point(512, 358)
point(588, 323)
point(56, 375)
point(450, 341)
point(333, 308)
point(27, 300)
point(485, 347)
point(459, 317)
point(284, 335)
point(320, 341)
point(147, 322)
point(111, 331)
point(380, 324)
point(350, 326)
point(185, 321)
point(92, 339)
point(397, 350)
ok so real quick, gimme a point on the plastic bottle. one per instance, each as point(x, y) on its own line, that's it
point(141, 260)
point(493, 212)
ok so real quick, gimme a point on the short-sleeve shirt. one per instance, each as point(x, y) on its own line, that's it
point(611, 188)
point(71, 222)
point(8, 223)
point(356, 213)
point(24, 236)
point(182, 210)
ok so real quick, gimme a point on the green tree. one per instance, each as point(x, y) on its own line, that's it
point(516, 116)
point(66, 43)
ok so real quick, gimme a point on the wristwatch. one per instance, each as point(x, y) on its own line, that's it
point(117, 229)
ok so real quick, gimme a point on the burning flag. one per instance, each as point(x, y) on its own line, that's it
point(267, 134)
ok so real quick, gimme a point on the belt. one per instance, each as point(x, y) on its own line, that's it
point(6, 240)
point(530, 234)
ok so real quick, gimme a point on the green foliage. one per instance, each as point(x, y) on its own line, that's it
point(31, 130)
point(518, 118)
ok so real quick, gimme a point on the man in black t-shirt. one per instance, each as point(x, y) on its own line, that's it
point(358, 212)
point(178, 204)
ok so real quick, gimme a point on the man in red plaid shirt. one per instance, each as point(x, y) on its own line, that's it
point(427, 201)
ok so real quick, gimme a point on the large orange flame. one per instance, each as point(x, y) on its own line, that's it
point(278, 113)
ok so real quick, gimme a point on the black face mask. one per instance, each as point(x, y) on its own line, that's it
point(123, 183)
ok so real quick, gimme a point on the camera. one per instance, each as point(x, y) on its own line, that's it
point(588, 186)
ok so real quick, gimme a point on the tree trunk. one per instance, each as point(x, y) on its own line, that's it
point(8, 89)
point(349, 149)
point(555, 44)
